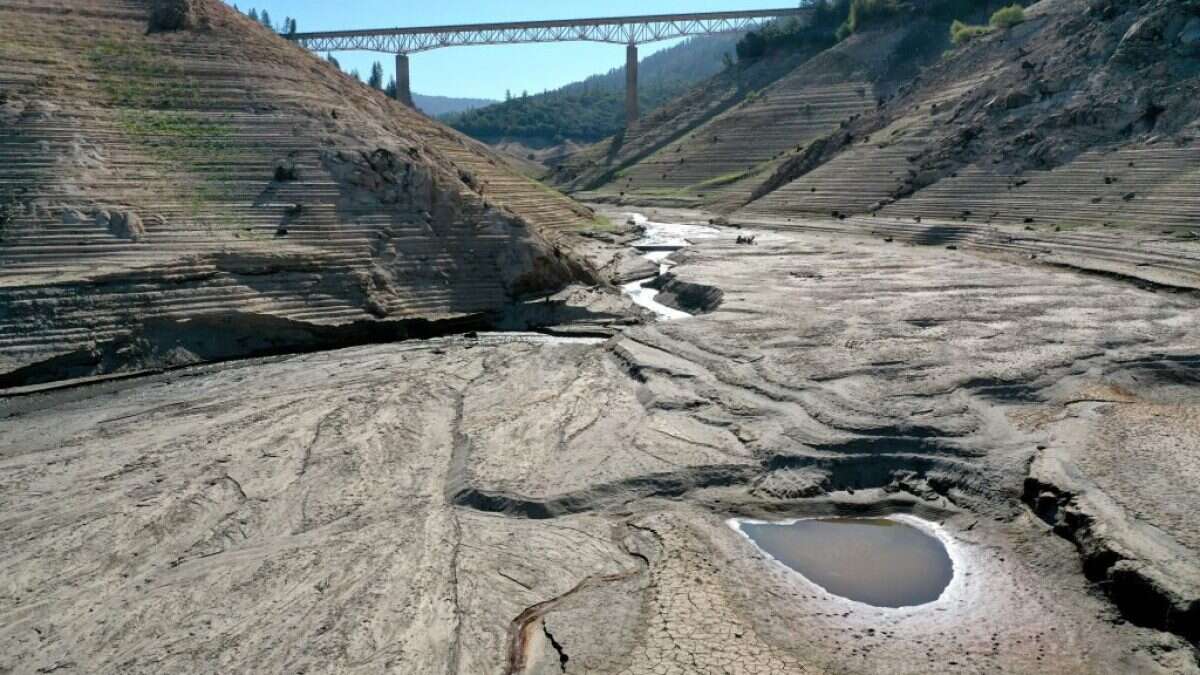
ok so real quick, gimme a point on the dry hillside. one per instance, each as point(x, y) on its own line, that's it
point(759, 114)
point(724, 159)
point(593, 166)
point(1086, 114)
point(190, 168)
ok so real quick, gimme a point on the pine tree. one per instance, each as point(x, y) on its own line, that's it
point(253, 14)
point(376, 79)
point(265, 17)
point(356, 75)
point(330, 58)
point(390, 89)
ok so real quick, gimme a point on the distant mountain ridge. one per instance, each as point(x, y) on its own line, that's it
point(594, 108)
point(436, 106)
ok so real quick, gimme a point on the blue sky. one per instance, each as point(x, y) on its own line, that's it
point(487, 71)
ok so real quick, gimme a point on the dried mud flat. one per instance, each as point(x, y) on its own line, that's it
point(536, 506)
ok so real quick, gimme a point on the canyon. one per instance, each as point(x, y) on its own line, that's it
point(378, 402)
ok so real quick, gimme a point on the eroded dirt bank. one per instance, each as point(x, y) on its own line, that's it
point(268, 203)
point(469, 507)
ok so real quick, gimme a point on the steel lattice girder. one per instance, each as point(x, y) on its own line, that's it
point(615, 30)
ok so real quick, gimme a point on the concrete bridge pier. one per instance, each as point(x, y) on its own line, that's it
point(631, 86)
point(403, 88)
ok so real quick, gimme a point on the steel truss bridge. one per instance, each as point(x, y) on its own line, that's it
point(623, 30)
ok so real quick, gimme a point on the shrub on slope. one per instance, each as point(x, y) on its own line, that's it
point(1007, 17)
point(961, 33)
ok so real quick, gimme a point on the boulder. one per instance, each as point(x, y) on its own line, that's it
point(170, 15)
point(1016, 98)
point(122, 224)
point(1138, 44)
point(285, 170)
point(1189, 37)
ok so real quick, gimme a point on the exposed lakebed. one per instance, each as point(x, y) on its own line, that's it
point(883, 562)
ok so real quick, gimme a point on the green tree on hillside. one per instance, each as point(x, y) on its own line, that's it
point(791, 34)
point(375, 81)
point(751, 47)
point(866, 12)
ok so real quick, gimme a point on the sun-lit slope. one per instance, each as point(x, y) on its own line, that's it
point(1154, 183)
point(594, 165)
point(720, 162)
point(1085, 115)
point(717, 156)
point(864, 171)
point(168, 174)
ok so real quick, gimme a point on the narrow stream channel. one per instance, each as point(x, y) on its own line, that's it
point(659, 241)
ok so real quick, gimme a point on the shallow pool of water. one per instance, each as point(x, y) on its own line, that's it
point(877, 561)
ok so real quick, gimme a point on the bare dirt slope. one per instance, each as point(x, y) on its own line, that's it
point(1084, 115)
point(594, 166)
point(720, 159)
point(726, 157)
point(149, 176)
point(724, 161)
point(465, 506)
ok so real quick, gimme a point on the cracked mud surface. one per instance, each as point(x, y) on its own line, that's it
point(453, 507)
